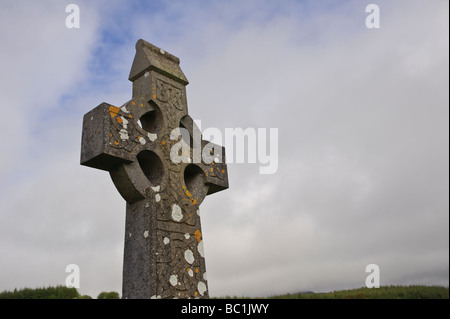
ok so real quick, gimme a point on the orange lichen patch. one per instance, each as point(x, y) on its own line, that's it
point(115, 142)
point(163, 142)
point(188, 269)
point(154, 96)
point(113, 110)
point(196, 294)
point(197, 270)
point(110, 134)
point(223, 171)
point(183, 187)
point(188, 193)
point(212, 170)
point(119, 120)
point(213, 163)
point(195, 201)
point(198, 235)
point(133, 103)
point(141, 104)
point(206, 173)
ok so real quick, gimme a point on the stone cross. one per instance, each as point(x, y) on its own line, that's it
point(163, 182)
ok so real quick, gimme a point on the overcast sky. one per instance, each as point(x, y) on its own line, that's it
point(363, 121)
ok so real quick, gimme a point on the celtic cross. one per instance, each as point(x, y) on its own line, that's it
point(162, 173)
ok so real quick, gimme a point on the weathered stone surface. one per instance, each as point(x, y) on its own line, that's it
point(163, 239)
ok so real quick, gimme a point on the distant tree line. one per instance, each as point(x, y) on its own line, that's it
point(384, 292)
point(58, 292)
point(108, 295)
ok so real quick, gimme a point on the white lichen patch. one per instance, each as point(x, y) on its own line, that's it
point(124, 109)
point(175, 134)
point(187, 236)
point(123, 134)
point(177, 215)
point(198, 212)
point(189, 256)
point(173, 280)
point(201, 287)
point(156, 188)
point(124, 122)
point(146, 234)
point(190, 272)
point(166, 240)
point(146, 74)
point(200, 248)
point(142, 140)
point(205, 278)
point(157, 198)
point(152, 137)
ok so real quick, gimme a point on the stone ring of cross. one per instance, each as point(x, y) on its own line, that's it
point(139, 126)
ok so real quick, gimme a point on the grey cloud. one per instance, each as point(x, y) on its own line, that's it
point(363, 154)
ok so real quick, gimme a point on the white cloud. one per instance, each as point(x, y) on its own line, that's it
point(40, 60)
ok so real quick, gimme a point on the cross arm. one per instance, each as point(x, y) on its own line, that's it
point(102, 139)
point(216, 170)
